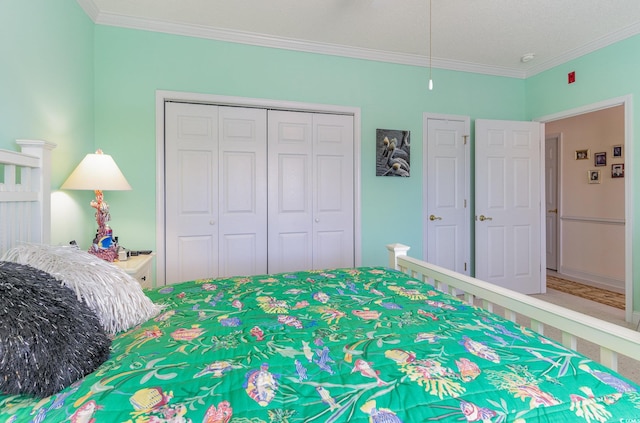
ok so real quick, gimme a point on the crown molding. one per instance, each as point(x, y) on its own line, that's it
point(90, 9)
point(262, 40)
point(249, 38)
point(602, 42)
point(461, 66)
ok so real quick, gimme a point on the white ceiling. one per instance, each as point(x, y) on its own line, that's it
point(486, 36)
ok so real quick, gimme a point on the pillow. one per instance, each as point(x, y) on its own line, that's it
point(48, 339)
point(114, 295)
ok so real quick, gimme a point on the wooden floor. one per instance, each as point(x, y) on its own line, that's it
point(598, 295)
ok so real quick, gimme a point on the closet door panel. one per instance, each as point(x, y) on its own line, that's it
point(191, 157)
point(195, 254)
point(293, 252)
point(293, 185)
point(328, 251)
point(290, 191)
point(243, 191)
point(252, 191)
point(333, 179)
point(240, 254)
point(238, 176)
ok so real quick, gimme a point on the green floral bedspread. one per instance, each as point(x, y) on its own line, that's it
point(364, 345)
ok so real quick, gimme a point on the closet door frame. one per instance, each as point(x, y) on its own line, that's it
point(163, 96)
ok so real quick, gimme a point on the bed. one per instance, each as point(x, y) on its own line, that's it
point(405, 342)
point(25, 193)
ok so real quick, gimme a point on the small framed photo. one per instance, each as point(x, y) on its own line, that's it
point(582, 154)
point(600, 159)
point(617, 170)
point(594, 176)
point(616, 151)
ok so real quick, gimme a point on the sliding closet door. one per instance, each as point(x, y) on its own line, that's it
point(242, 202)
point(191, 191)
point(252, 191)
point(310, 191)
point(290, 191)
point(333, 220)
point(215, 191)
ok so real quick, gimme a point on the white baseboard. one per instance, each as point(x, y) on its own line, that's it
point(590, 279)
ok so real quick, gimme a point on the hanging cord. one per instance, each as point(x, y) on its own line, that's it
point(430, 55)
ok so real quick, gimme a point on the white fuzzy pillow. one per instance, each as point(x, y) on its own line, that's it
point(115, 296)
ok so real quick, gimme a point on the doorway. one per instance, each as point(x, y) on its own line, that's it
point(586, 211)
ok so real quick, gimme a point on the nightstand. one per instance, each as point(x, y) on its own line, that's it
point(139, 267)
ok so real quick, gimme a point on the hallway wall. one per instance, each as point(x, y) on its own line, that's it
point(592, 220)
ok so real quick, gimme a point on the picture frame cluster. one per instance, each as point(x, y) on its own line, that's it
point(594, 176)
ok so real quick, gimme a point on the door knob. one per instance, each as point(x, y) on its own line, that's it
point(552, 211)
point(432, 217)
point(482, 218)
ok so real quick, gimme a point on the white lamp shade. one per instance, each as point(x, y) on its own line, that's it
point(97, 172)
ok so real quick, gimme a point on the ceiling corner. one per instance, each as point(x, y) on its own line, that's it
point(90, 9)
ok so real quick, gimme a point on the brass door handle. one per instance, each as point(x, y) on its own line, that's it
point(482, 218)
point(552, 211)
point(432, 217)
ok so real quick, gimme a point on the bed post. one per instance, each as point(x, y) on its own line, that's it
point(41, 150)
point(395, 251)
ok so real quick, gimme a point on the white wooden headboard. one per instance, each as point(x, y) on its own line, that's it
point(25, 194)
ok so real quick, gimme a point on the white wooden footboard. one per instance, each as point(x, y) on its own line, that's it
point(612, 339)
point(25, 194)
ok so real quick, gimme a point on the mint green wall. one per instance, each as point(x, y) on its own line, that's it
point(608, 73)
point(131, 65)
point(46, 86)
point(59, 70)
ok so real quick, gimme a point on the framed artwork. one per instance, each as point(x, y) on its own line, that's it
point(600, 159)
point(616, 151)
point(582, 154)
point(617, 170)
point(594, 176)
point(393, 148)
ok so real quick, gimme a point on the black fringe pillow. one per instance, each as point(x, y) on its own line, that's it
point(48, 339)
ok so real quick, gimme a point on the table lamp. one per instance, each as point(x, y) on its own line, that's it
point(99, 172)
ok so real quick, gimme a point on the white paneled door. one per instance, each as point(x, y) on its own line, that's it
point(311, 202)
point(509, 202)
point(551, 199)
point(242, 200)
point(215, 191)
point(446, 220)
point(191, 191)
point(290, 191)
point(333, 191)
point(251, 191)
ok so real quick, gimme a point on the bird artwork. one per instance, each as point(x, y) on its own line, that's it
point(392, 152)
